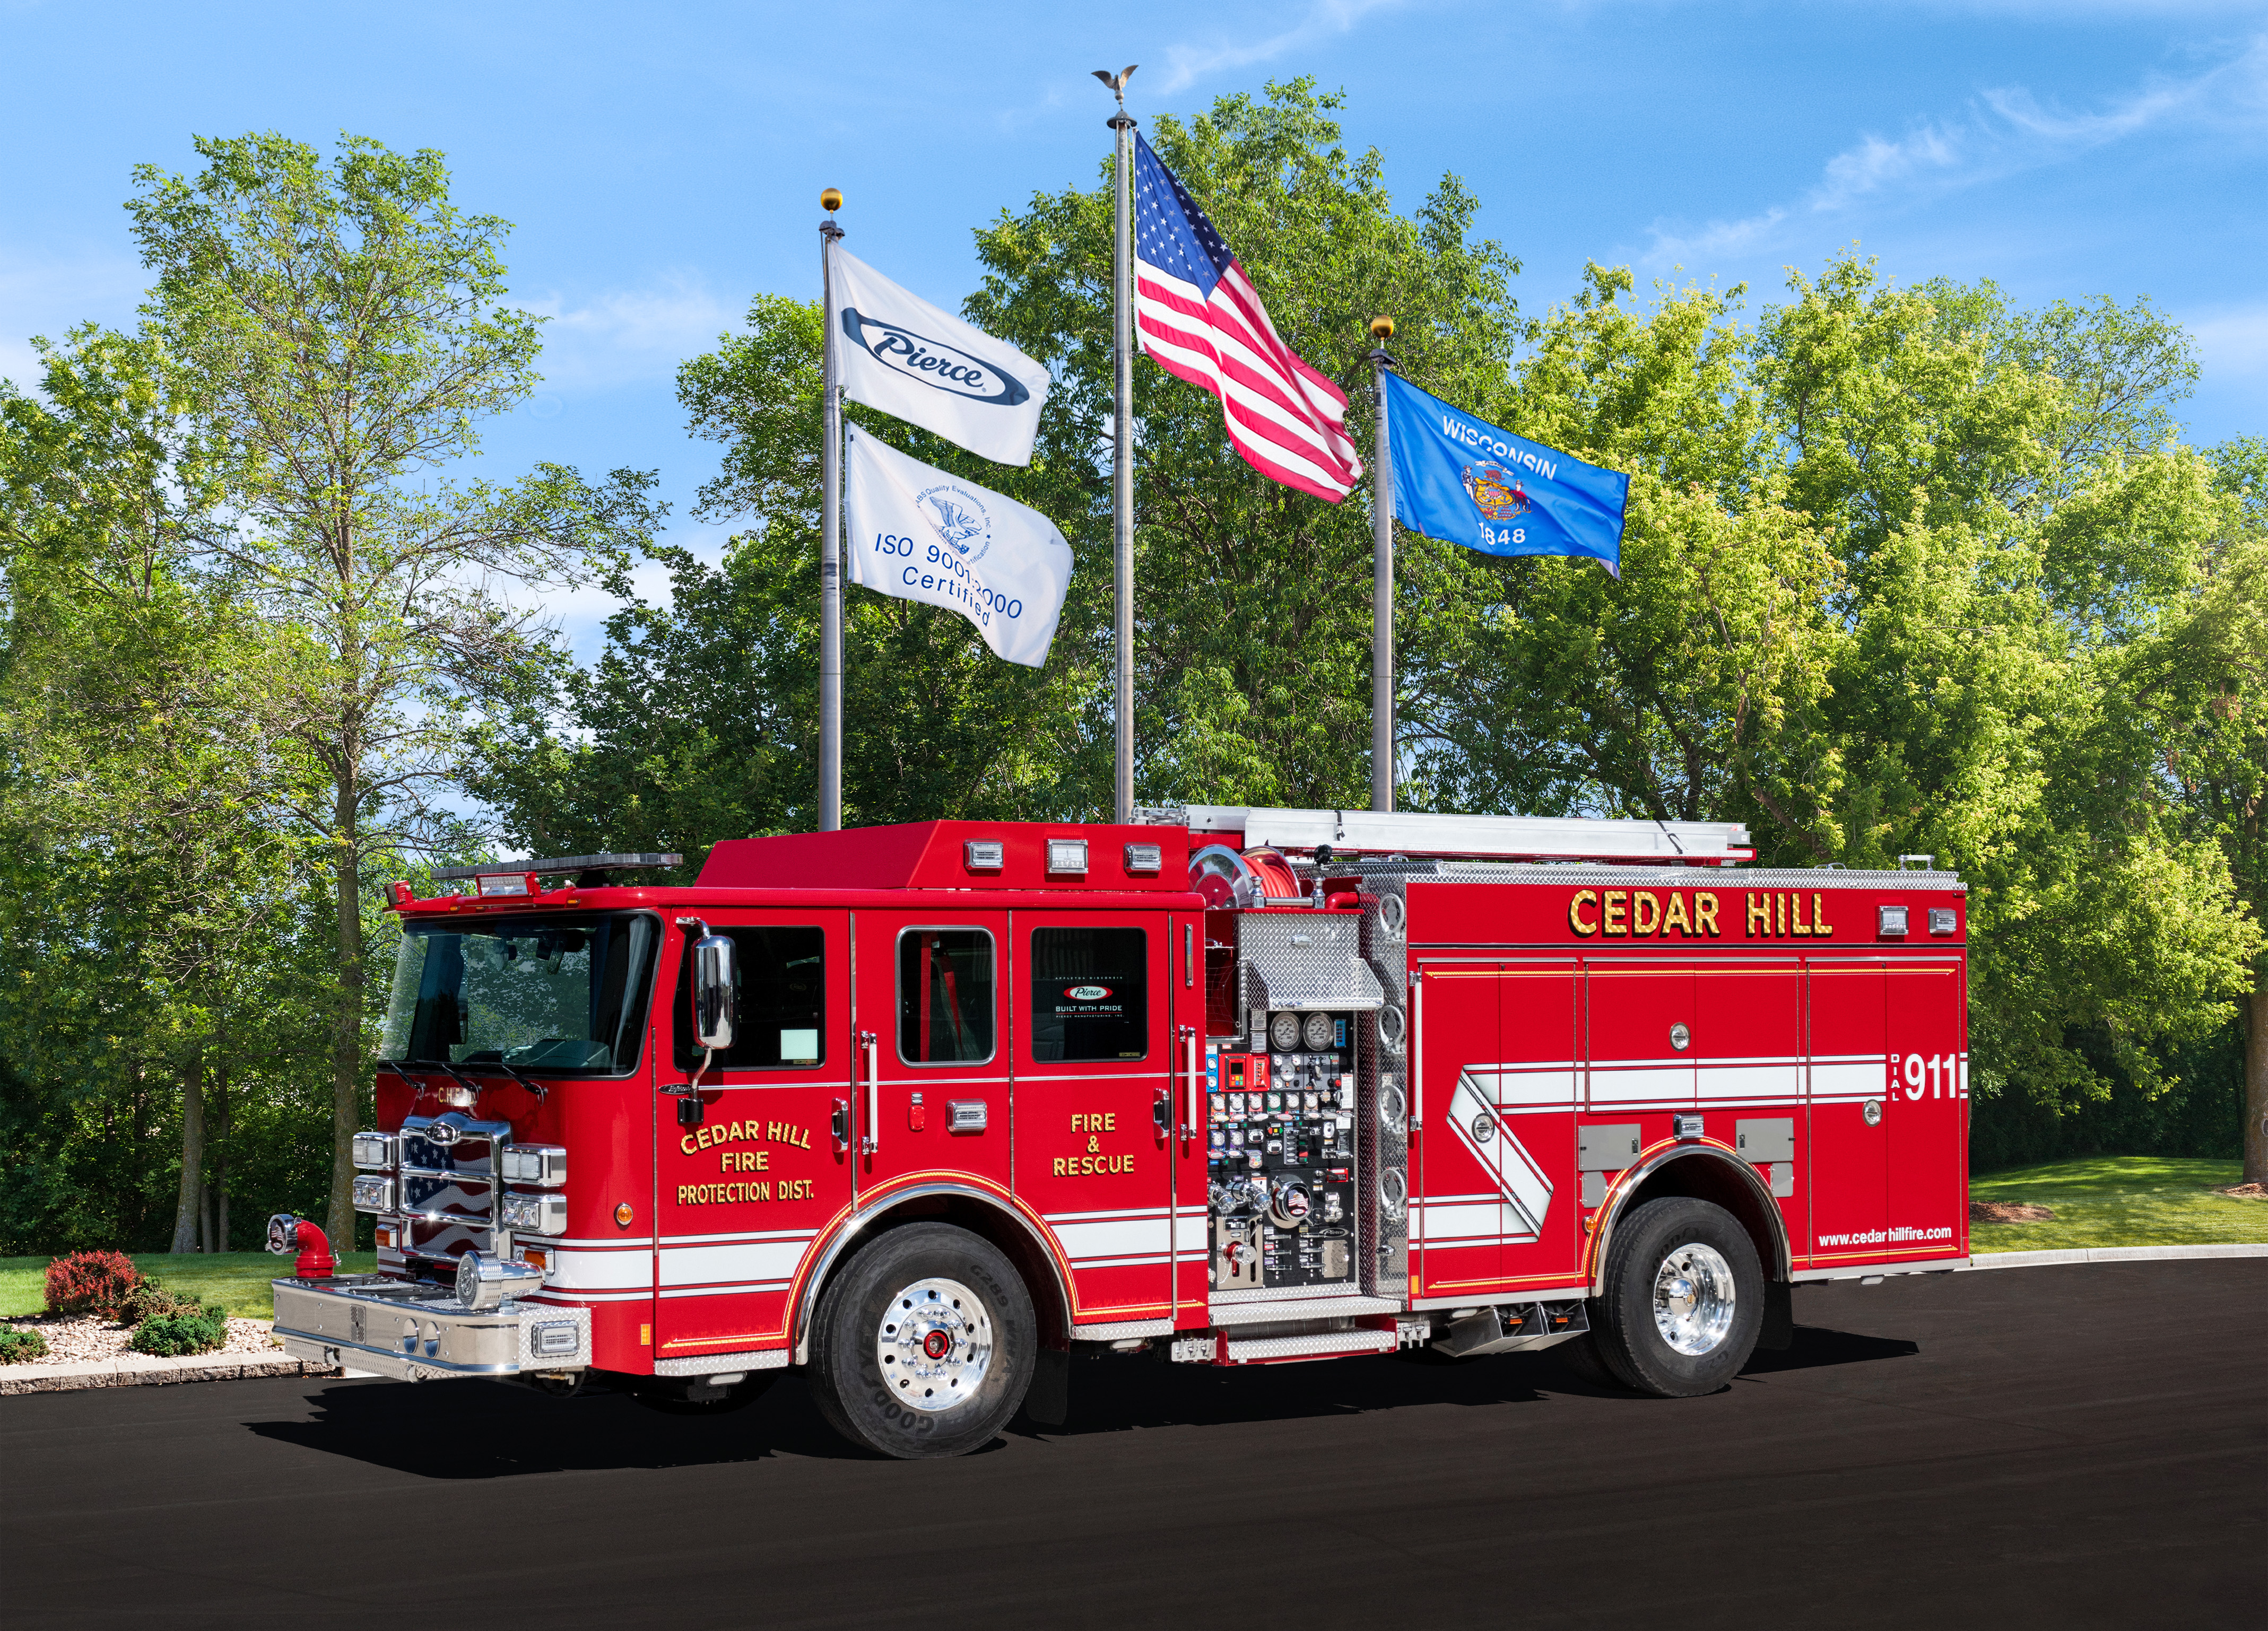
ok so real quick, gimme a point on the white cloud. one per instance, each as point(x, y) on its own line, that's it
point(2233, 342)
point(1186, 65)
point(625, 335)
point(2005, 132)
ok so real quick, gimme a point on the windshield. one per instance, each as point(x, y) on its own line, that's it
point(552, 994)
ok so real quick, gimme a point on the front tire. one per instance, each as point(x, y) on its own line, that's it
point(924, 1344)
point(1685, 1299)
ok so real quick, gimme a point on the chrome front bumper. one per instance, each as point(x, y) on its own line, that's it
point(414, 1333)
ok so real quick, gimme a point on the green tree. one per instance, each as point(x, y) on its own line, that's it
point(145, 775)
point(342, 330)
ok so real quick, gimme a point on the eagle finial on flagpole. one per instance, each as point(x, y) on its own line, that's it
point(1117, 83)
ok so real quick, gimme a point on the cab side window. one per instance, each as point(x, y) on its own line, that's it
point(779, 977)
point(945, 996)
point(1090, 994)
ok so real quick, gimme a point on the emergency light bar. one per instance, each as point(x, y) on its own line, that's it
point(591, 870)
point(1373, 833)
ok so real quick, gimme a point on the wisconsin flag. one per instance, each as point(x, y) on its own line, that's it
point(920, 534)
point(1467, 481)
point(926, 366)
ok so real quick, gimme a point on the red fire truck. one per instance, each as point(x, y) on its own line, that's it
point(923, 1111)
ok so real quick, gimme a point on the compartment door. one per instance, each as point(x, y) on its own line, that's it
point(1926, 1113)
point(1457, 1222)
point(1748, 1064)
point(1533, 1097)
point(1848, 1172)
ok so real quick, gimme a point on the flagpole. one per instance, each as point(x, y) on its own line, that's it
point(830, 534)
point(1381, 584)
point(1122, 475)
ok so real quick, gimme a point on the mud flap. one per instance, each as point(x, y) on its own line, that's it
point(1047, 1403)
point(1777, 1334)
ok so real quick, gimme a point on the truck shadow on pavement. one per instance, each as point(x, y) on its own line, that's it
point(484, 1430)
point(1815, 1347)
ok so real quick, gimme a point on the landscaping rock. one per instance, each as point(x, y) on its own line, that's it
point(86, 1351)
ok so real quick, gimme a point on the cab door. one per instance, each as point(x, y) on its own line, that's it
point(1098, 1121)
point(742, 1194)
point(933, 1073)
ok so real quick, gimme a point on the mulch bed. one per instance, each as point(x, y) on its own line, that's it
point(2009, 1212)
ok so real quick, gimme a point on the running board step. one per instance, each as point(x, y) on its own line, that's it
point(1218, 1348)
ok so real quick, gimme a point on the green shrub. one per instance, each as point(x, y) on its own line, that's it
point(92, 1283)
point(198, 1331)
point(21, 1346)
point(150, 1300)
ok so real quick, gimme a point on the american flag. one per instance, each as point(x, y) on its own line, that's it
point(1200, 318)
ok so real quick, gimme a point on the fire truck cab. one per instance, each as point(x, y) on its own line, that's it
point(921, 1110)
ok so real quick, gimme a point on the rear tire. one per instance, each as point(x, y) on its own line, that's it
point(1685, 1299)
point(924, 1344)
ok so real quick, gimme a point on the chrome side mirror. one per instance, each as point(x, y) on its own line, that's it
point(713, 1006)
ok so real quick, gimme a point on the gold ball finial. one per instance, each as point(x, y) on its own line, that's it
point(1382, 328)
point(831, 200)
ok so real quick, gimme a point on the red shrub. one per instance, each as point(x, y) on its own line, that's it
point(92, 1283)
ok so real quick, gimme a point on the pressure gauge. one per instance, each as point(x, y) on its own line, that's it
point(1284, 1032)
point(1318, 1033)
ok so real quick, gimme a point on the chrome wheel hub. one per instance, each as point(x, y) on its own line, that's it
point(934, 1344)
point(1693, 1298)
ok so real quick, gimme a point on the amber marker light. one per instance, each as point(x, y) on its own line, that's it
point(623, 1214)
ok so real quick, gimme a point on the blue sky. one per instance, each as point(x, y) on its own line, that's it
point(662, 163)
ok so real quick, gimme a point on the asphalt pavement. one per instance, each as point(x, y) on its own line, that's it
point(2056, 1446)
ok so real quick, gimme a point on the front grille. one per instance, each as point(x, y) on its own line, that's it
point(449, 1183)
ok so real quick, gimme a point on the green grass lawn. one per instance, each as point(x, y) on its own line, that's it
point(2118, 1200)
point(236, 1280)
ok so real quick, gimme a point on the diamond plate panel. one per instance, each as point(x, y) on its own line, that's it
point(1307, 962)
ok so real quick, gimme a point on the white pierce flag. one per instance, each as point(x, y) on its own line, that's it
point(905, 356)
point(921, 533)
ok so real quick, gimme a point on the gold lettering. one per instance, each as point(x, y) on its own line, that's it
point(1759, 913)
point(1616, 912)
point(1059, 1167)
point(1704, 912)
point(1583, 898)
point(1795, 923)
point(1676, 918)
point(1819, 924)
point(685, 1144)
point(1645, 912)
point(1780, 902)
